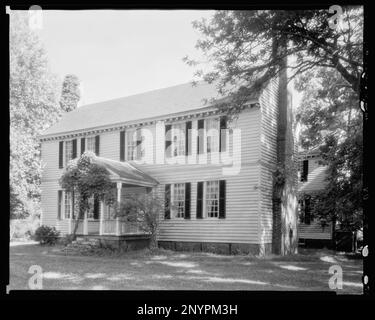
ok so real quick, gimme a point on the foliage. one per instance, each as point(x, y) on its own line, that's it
point(23, 228)
point(143, 210)
point(87, 179)
point(332, 122)
point(47, 235)
point(246, 48)
point(71, 93)
point(33, 107)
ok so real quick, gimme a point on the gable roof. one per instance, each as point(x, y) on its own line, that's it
point(148, 105)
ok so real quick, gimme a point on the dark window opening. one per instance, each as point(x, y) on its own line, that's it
point(305, 170)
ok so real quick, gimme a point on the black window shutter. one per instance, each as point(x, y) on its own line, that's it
point(222, 196)
point(188, 138)
point(96, 207)
point(305, 170)
point(168, 140)
point(187, 199)
point(97, 145)
point(167, 203)
point(200, 143)
point(122, 145)
point(74, 150)
point(83, 145)
point(72, 214)
point(223, 140)
point(200, 200)
point(61, 154)
point(59, 203)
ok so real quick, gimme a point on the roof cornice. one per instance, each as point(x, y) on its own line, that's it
point(203, 112)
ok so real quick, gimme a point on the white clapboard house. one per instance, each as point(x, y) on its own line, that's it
point(169, 140)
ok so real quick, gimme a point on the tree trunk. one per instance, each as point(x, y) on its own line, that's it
point(285, 214)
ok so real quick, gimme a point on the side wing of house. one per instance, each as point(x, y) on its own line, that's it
point(311, 179)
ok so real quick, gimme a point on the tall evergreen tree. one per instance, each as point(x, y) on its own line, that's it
point(71, 93)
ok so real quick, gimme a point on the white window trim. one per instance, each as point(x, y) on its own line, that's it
point(87, 143)
point(133, 131)
point(173, 129)
point(64, 207)
point(173, 210)
point(205, 213)
point(65, 153)
point(206, 135)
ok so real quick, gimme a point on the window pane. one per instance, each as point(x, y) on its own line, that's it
point(68, 204)
point(178, 139)
point(131, 141)
point(91, 144)
point(179, 199)
point(212, 198)
point(68, 151)
point(213, 127)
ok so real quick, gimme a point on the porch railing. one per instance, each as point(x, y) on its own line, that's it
point(110, 227)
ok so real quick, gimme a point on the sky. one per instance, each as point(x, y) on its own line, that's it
point(119, 53)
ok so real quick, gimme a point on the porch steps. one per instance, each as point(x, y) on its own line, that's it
point(82, 246)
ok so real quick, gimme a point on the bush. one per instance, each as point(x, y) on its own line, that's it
point(47, 235)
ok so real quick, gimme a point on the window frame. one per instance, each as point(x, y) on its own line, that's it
point(91, 210)
point(133, 134)
point(67, 205)
point(205, 199)
point(182, 136)
point(174, 211)
point(87, 143)
point(217, 136)
point(67, 142)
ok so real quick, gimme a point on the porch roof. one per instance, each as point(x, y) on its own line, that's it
point(126, 172)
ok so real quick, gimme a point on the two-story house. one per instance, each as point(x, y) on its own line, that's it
point(218, 174)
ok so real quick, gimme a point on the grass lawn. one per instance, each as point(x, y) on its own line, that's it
point(167, 270)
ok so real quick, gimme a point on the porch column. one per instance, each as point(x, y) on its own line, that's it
point(118, 229)
point(85, 224)
point(101, 217)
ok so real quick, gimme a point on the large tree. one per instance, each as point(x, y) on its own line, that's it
point(332, 122)
point(245, 48)
point(33, 104)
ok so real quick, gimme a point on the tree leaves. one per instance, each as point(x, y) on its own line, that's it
point(33, 97)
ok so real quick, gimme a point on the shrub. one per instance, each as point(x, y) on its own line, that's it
point(47, 235)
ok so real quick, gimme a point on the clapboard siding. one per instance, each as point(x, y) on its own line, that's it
point(317, 174)
point(314, 230)
point(242, 199)
point(268, 149)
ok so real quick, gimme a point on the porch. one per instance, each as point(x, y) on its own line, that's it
point(127, 180)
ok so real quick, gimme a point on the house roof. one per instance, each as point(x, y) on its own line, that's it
point(148, 105)
point(125, 172)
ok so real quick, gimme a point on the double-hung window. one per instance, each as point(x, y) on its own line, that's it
point(178, 139)
point(94, 209)
point(131, 144)
point(178, 200)
point(90, 144)
point(213, 134)
point(68, 151)
point(212, 199)
point(67, 205)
